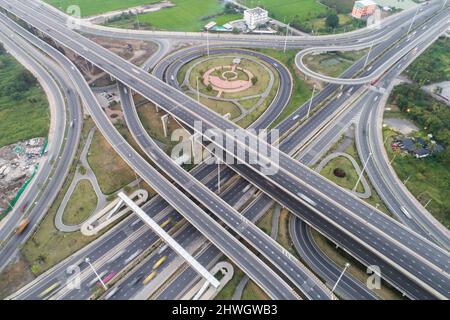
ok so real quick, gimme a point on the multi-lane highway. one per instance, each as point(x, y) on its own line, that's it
point(235, 250)
point(297, 199)
point(289, 185)
point(61, 151)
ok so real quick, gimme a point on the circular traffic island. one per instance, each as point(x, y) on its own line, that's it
point(240, 86)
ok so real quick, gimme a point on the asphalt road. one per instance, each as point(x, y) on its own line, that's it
point(242, 256)
point(55, 165)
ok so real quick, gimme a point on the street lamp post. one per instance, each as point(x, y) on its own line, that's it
point(218, 175)
point(198, 93)
point(407, 179)
point(412, 21)
point(286, 37)
point(207, 42)
point(88, 261)
point(390, 162)
point(310, 101)
point(362, 171)
point(368, 55)
point(339, 279)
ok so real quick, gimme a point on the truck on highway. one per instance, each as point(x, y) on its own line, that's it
point(22, 225)
point(159, 262)
point(149, 278)
point(307, 199)
point(131, 257)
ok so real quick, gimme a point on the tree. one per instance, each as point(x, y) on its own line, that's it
point(2, 49)
point(254, 80)
point(332, 20)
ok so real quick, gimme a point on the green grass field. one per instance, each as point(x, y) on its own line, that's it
point(92, 8)
point(341, 6)
point(286, 10)
point(81, 204)
point(428, 180)
point(350, 178)
point(111, 171)
point(24, 114)
point(187, 15)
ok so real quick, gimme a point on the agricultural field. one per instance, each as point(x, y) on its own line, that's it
point(92, 8)
point(23, 104)
point(341, 6)
point(187, 15)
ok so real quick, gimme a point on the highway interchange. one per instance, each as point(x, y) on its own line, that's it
point(433, 259)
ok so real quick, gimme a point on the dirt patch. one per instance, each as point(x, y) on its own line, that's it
point(14, 277)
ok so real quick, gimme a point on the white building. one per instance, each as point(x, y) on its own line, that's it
point(255, 17)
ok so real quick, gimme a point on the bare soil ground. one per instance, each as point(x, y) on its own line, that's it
point(135, 51)
point(15, 276)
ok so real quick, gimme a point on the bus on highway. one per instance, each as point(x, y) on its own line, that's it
point(149, 278)
point(50, 289)
point(165, 223)
point(22, 225)
point(108, 277)
point(159, 262)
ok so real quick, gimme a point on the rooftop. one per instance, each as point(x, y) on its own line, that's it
point(256, 11)
point(365, 3)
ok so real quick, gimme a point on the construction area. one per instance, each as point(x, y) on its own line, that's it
point(18, 163)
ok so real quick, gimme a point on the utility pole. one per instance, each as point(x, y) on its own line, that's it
point(428, 202)
point(96, 274)
point(443, 6)
point(339, 279)
point(137, 18)
point(362, 171)
point(310, 101)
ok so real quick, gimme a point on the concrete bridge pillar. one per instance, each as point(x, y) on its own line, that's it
point(196, 147)
point(164, 120)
